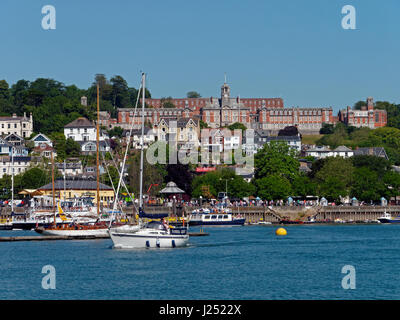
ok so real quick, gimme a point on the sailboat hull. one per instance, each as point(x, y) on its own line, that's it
point(136, 240)
point(103, 232)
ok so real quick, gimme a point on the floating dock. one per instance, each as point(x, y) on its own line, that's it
point(48, 238)
point(52, 238)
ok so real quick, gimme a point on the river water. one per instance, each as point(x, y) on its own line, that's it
point(248, 262)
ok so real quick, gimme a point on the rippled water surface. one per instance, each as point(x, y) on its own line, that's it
point(248, 262)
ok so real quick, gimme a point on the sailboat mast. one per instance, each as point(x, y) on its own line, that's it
point(141, 142)
point(97, 152)
point(53, 189)
point(12, 180)
point(65, 172)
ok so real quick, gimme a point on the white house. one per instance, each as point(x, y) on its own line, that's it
point(70, 168)
point(233, 142)
point(343, 151)
point(292, 141)
point(23, 126)
point(324, 152)
point(148, 138)
point(80, 129)
point(40, 139)
point(84, 132)
point(18, 165)
point(319, 152)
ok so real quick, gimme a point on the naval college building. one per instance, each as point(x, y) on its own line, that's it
point(268, 114)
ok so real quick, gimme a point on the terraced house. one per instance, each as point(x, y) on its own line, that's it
point(22, 126)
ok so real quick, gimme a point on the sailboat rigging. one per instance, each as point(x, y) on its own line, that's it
point(77, 229)
point(154, 234)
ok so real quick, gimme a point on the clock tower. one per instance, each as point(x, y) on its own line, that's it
point(225, 93)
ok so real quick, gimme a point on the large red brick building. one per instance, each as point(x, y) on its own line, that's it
point(257, 113)
point(367, 116)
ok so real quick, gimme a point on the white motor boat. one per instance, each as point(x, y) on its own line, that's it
point(154, 234)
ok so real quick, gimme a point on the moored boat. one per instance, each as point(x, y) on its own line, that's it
point(154, 234)
point(288, 221)
point(75, 230)
point(5, 224)
point(215, 217)
point(387, 218)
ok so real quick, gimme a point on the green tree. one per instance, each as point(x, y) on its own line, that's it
point(219, 181)
point(393, 113)
point(359, 104)
point(237, 126)
point(193, 94)
point(303, 186)
point(116, 132)
point(59, 143)
point(276, 158)
point(203, 124)
point(367, 186)
point(327, 128)
point(114, 175)
point(35, 178)
point(72, 148)
point(120, 92)
point(4, 90)
point(391, 180)
point(273, 187)
point(335, 178)
point(167, 103)
point(152, 174)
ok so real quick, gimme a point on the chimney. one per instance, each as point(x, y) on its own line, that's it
point(84, 101)
point(14, 115)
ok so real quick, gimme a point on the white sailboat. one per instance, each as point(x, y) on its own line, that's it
point(155, 234)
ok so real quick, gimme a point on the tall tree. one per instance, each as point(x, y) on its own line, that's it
point(193, 94)
point(276, 158)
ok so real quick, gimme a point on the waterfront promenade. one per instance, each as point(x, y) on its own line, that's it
point(321, 214)
point(275, 214)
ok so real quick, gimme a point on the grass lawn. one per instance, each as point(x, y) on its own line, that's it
point(311, 138)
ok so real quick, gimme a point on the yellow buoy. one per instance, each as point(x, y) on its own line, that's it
point(281, 232)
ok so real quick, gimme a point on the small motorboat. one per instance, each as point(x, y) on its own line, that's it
point(387, 218)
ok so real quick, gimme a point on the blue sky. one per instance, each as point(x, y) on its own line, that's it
point(292, 49)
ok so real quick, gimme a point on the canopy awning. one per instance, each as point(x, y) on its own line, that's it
point(31, 192)
point(171, 188)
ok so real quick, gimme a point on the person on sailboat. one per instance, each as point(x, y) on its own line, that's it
point(166, 226)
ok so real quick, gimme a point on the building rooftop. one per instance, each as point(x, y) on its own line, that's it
point(284, 138)
point(80, 123)
point(371, 151)
point(342, 149)
point(319, 149)
point(75, 185)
